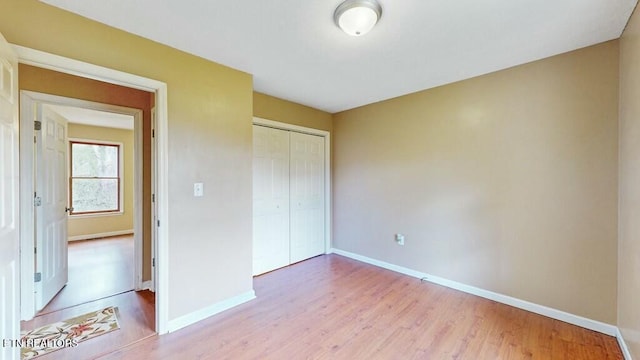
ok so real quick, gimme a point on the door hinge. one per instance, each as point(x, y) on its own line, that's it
point(158, 223)
point(37, 201)
point(153, 197)
point(37, 277)
point(37, 125)
point(153, 262)
point(153, 133)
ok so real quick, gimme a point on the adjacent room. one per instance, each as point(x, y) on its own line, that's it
point(360, 179)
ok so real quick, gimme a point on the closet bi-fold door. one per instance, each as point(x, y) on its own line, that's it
point(270, 199)
point(307, 196)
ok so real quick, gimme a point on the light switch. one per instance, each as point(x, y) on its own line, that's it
point(198, 189)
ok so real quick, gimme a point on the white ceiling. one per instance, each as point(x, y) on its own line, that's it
point(93, 117)
point(295, 52)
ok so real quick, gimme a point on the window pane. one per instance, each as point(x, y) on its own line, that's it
point(91, 160)
point(94, 195)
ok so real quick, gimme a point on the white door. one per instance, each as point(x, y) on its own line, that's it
point(51, 215)
point(9, 202)
point(270, 199)
point(307, 196)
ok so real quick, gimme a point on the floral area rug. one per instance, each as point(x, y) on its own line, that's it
point(67, 333)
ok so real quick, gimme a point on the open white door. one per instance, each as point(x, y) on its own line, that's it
point(51, 215)
point(9, 203)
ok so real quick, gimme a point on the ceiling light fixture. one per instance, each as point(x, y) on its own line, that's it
point(357, 17)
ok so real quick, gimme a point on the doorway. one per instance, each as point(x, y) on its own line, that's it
point(87, 119)
point(31, 57)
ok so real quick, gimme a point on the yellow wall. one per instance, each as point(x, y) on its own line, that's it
point(506, 182)
point(629, 196)
point(272, 108)
point(88, 225)
point(210, 117)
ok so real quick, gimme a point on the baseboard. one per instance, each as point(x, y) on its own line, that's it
point(598, 326)
point(147, 285)
point(623, 346)
point(100, 235)
point(211, 310)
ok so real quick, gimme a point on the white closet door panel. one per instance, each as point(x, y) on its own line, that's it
point(270, 199)
point(307, 196)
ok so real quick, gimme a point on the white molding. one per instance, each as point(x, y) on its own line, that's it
point(598, 326)
point(138, 204)
point(327, 168)
point(194, 317)
point(31, 99)
point(70, 66)
point(623, 345)
point(83, 69)
point(27, 211)
point(100, 235)
point(147, 285)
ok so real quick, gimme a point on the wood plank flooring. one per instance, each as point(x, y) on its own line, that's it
point(331, 307)
point(100, 275)
point(136, 316)
point(97, 269)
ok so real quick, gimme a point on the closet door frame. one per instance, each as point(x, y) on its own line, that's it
point(327, 168)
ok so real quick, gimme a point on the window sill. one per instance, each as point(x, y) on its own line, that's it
point(83, 216)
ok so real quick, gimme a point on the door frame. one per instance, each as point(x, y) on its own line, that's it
point(62, 64)
point(29, 101)
point(327, 169)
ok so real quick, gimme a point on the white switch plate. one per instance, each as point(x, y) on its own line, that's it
point(400, 239)
point(198, 189)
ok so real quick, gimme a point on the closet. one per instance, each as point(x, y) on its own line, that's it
point(288, 197)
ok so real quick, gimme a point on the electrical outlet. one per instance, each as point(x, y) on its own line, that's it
point(198, 189)
point(400, 239)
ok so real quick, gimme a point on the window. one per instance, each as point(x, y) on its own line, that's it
point(95, 177)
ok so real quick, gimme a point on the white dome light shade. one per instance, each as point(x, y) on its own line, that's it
point(357, 17)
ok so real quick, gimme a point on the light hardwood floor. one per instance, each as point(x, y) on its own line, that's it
point(100, 275)
point(136, 317)
point(331, 307)
point(97, 269)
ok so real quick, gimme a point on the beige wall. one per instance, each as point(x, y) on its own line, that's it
point(506, 182)
point(210, 116)
point(56, 83)
point(272, 108)
point(83, 225)
point(629, 196)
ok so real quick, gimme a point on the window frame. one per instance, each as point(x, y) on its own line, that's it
point(119, 178)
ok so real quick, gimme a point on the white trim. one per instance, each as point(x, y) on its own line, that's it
point(623, 345)
point(194, 317)
point(27, 211)
point(598, 326)
point(138, 202)
point(30, 100)
point(98, 215)
point(154, 204)
point(327, 169)
point(83, 69)
point(147, 285)
point(100, 235)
